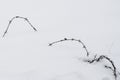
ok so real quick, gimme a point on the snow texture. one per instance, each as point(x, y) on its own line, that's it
point(28, 57)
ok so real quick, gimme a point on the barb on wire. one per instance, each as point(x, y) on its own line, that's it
point(65, 39)
point(101, 57)
point(19, 18)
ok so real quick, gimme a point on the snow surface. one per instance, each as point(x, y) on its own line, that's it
point(28, 57)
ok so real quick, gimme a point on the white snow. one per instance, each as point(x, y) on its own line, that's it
point(28, 57)
point(25, 54)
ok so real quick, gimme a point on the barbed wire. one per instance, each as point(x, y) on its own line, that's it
point(66, 39)
point(101, 57)
point(19, 18)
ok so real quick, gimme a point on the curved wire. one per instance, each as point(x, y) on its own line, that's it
point(19, 18)
point(65, 39)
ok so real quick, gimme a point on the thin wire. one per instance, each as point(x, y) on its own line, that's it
point(65, 39)
point(13, 20)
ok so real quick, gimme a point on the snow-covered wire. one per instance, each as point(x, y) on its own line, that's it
point(101, 57)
